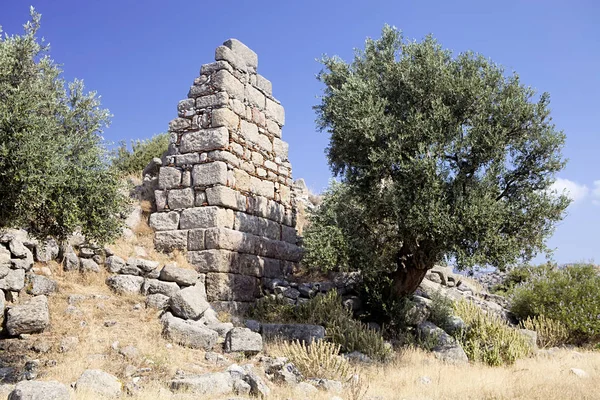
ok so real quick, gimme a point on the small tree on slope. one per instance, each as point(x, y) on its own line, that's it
point(54, 174)
point(441, 158)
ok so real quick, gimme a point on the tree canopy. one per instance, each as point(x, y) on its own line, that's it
point(441, 158)
point(54, 172)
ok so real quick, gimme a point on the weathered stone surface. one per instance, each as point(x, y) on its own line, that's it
point(447, 348)
point(169, 178)
point(98, 382)
point(214, 100)
point(206, 217)
point(14, 280)
point(188, 333)
point(243, 51)
point(264, 84)
point(18, 249)
point(181, 276)
point(38, 285)
point(88, 265)
point(114, 264)
point(180, 198)
point(153, 286)
point(196, 239)
point(47, 250)
point(40, 390)
point(213, 384)
point(143, 264)
point(31, 317)
point(165, 221)
point(189, 303)
point(214, 173)
point(302, 332)
point(232, 287)
point(275, 112)
point(205, 140)
point(158, 301)
point(125, 284)
point(167, 241)
point(243, 339)
point(222, 196)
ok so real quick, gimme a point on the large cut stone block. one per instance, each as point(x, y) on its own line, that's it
point(239, 263)
point(223, 81)
point(196, 239)
point(220, 99)
point(264, 84)
point(206, 217)
point(214, 173)
point(169, 178)
point(275, 112)
point(211, 260)
point(165, 221)
point(302, 332)
point(181, 198)
point(191, 334)
point(280, 148)
point(232, 287)
point(229, 239)
point(249, 131)
point(204, 140)
point(255, 97)
point(243, 51)
point(256, 225)
point(224, 53)
point(225, 197)
point(224, 117)
point(167, 241)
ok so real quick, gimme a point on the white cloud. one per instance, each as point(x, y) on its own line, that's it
point(596, 193)
point(574, 190)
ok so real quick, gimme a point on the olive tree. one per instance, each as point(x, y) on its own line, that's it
point(441, 158)
point(54, 172)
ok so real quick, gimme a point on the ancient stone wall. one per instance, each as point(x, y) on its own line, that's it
point(225, 192)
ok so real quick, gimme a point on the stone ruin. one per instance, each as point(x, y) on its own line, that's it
point(225, 191)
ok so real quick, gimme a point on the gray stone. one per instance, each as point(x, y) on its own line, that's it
point(13, 281)
point(358, 356)
point(306, 390)
point(245, 53)
point(216, 100)
point(158, 301)
point(253, 325)
point(214, 173)
point(213, 384)
point(18, 249)
point(327, 385)
point(302, 332)
point(169, 178)
point(38, 285)
point(231, 287)
point(40, 390)
point(144, 265)
point(205, 139)
point(455, 324)
point(70, 262)
point(30, 317)
point(264, 84)
point(275, 112)
point(222, 196)
point(164, 221)
point(153, 286)
point(47, 250)
point(188, 333)
point(206, 217)
point(445, 348)
point(243, 339)
point(167, 241)
point(181, 276)
point(258, 387)
point(98, 382)
point(88, 265)
point(125, 284)
point(189, 303)
point(182, 198)
point(68, 343)
point(288, 373)
point(22, 263)
point(223, 80)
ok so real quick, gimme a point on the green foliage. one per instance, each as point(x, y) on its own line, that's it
point(54, 172)
point(441, 310)
point(441, 157)
point(550, 333)
point(319, 360)
point(326, 310)
point(568, 295)
point(519, 275)
point(142, 152)
point(489, 339)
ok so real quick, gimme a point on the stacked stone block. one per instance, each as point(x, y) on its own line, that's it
point(225, 192)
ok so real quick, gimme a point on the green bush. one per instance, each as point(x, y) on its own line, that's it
point(488, 338)
point(568, 295)
point(142, 152)
point(550, 333)
point(55, 176)
point(519, 275)
point(441, 310)
point(326, 310)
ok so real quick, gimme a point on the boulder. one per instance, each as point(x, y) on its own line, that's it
point(13, 281)
point(114, 264)
point(302, 332)
point(445, 347)
point(38, 390)
point(144, 265)
point(38, 285)
point(212, 384)
point(243, 339)
point(189, 303)
point(88, 265)
point(30, 317)
point(181, 276)
point(98, 382)
point(70, 262)
point(327, 385)
point(153, 286)
point(158, 301)
point(257, 386)
point(47, 250)
point(18, 249)
point(125, 284)
point(188, 333)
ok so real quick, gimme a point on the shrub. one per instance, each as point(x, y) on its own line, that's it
point(568, 295)
point(488, 338)
point(54, 169)
point(327, 310)
point(142, 152)
point(441, 310)
point(519, 275)
point(550, 333)
point(317, 360)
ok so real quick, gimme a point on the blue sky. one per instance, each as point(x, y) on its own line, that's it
point(141, 57)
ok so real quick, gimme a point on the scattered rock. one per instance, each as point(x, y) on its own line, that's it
point(129, 352)
point(188, 333)
point(38, 390)
point(39, 285)
point(98, 382)
point(579, 373)
point(189, 303)
point(446, 348)
point(327, 385)
point(214, 384)
point(88, 265)
point(531, 337)
point(158, 301)
point(153, 286)
point(70, 262)
point(13, 281)
point(125, 284)
point(243, 339)
point(181, 276)
point(68, 343)
point(30, 317)
point(358, 357)
point(301, 332)
point(114, 264)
